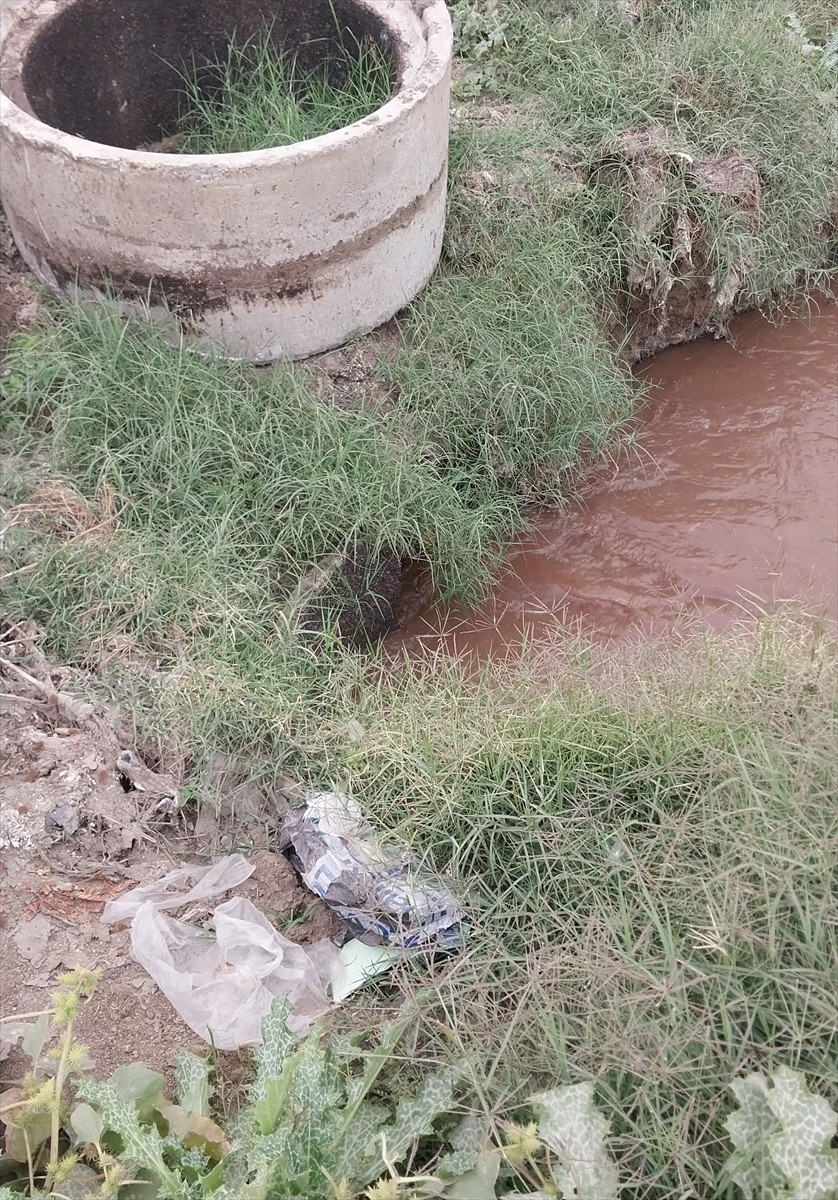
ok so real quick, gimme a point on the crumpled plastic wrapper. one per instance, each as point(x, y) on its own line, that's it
point(223, 986)
point(184, 885)
point(378, 890)
point(10, 1034)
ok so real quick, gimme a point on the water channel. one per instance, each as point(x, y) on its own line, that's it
point(728, 504)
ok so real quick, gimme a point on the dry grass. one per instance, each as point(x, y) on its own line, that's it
point(60, 510)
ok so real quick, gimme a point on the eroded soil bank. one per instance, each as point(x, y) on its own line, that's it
point(729, 501)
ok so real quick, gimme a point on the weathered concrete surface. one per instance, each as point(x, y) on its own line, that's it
point(288, 251)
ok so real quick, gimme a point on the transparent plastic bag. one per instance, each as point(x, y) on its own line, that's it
point(223, 985)
point(184, 885)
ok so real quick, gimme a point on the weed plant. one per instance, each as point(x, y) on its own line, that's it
point(307, 1125)
point(258, 96)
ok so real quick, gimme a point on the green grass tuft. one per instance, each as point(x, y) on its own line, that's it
point(259, 96)
point(233, 483)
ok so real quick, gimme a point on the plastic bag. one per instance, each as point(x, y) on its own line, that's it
point(222, 981)
point(223, 986)
point(200, 883)
point(379, 891)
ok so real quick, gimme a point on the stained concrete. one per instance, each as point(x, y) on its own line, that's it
point(288, 251)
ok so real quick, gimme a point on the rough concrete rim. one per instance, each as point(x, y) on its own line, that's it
point(417, 78)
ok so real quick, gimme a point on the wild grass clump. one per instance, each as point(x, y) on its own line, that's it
point(231, 484)
point(646, 841)
point(544, 251)
point(259, 95)
point(505, 356)
point(720, 78)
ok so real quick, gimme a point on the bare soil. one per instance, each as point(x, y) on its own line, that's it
point(19, 303)
point(72, 837)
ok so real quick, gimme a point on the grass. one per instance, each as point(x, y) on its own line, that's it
point(508, 378)
point(259, 96)
point(234, 482)
point(540, 249)
point(644, 839)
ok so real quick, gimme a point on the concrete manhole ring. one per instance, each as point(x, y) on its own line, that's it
point(286, 251)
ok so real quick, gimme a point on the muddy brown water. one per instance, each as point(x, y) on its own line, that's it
point(727, 505)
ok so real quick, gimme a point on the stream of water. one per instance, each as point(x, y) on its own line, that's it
point(728, 503)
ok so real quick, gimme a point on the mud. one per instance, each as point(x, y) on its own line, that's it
point(727, 504)
point(355, 595)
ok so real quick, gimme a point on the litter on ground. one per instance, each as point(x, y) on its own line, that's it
point(380, 892)
point(222, 976)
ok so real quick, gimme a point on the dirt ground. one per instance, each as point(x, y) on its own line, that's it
point(79, 824)
point(19, 304)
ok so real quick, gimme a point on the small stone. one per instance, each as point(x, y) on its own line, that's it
point(62, 822)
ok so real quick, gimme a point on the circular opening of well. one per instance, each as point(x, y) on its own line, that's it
point(115, 71)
